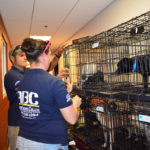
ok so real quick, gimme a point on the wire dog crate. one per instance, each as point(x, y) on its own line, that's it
point(111, 124)
point(115, 60)
point(113, 66)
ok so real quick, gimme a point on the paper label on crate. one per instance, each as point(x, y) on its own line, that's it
point(101, 109)
point(94, 45)
point(144, 118)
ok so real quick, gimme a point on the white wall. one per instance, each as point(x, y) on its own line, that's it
point(118, 12)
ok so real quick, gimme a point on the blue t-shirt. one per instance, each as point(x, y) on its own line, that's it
point(41, 95)
point(11, 81)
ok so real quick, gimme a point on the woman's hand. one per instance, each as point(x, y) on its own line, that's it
point(76, 101)
point(64, 73)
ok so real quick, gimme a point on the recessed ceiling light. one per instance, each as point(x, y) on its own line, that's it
point(46, 26)
point(44, 38)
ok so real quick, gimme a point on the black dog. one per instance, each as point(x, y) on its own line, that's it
point(139, 64)
point(92, 80)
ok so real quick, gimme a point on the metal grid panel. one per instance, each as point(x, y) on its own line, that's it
point(115, 59)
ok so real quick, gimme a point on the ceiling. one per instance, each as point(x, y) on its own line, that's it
point(60, 19)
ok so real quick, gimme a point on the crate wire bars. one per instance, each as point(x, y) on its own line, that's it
point(113, 67)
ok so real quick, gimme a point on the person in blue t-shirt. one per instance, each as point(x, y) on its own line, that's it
point(46, 106)
point(11, 81)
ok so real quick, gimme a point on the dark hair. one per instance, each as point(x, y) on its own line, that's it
point(33, 48)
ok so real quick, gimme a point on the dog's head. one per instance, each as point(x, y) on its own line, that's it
point(125, 65)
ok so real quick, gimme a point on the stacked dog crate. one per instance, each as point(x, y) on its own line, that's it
point(110, 71)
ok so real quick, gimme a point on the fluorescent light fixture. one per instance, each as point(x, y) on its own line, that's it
point(44, 38)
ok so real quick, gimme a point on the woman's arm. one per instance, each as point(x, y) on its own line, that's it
point(70, 113)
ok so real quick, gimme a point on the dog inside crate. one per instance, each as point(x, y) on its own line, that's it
point(139, 64)
point(90, 76)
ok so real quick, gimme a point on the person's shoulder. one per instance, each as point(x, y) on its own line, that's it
point(10, 78)
point(10, 73)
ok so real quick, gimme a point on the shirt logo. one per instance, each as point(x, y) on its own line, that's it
point(17, 82)
point(68, 98)
point(26, 98)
